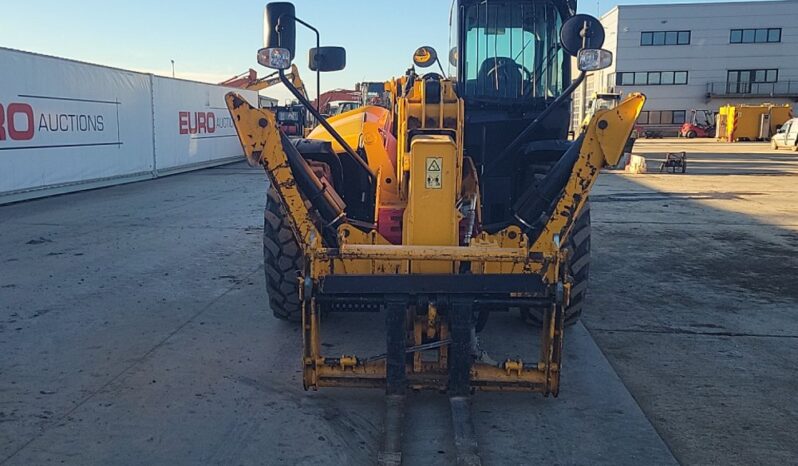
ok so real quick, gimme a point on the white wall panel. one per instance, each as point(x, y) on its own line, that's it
point(192, 123)
point(67, 122)
point(67, 125)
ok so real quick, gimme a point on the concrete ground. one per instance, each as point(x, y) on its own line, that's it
point(134, 330)
point(694, 298)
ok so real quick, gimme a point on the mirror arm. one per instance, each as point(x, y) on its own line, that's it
point(440, 65)
point(323, 121)
point(513, 146)
point(584, 33)
point(318, 45)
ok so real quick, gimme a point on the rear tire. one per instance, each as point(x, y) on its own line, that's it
point(578, 268)
point(282, 261)
point(691, 134)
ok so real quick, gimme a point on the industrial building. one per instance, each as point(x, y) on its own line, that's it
point(697, 56)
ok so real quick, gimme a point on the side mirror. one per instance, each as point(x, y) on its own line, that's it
point(276, 58)
point(593, 59)
point(279, 27)
point(425, 56)
point(327, 59)
point(581, 32)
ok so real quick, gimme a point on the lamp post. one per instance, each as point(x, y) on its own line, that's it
point(173, 68)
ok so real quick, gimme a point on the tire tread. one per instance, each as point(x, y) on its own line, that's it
point(282, 260)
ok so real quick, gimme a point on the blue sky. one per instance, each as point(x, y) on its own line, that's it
point(213, 40)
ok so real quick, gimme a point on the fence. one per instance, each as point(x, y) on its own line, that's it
point(67, 126)
point(752, 89)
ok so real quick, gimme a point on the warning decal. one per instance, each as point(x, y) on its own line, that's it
point(434, 172)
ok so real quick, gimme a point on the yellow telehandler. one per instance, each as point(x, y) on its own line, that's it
point(461, 199)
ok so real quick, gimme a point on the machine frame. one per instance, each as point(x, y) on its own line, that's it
point(365, 268)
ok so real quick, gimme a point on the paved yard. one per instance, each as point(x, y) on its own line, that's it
point(695, 300)
point(134, 329)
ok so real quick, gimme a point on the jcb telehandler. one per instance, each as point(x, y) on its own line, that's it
point(462, 199)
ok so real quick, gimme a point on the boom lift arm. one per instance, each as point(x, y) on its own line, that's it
point(327, 97)
point(251, 82)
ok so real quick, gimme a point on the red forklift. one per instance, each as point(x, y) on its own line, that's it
point(701, 124)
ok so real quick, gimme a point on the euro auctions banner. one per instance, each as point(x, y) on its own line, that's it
point(64, 122)
point(192, 123)
point(67, 125)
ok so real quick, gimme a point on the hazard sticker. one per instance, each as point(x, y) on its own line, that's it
point(434, 172)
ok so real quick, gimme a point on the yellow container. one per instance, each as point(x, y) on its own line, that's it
point(744, 122)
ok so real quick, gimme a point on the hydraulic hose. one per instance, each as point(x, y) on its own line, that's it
point(523, 135)
point(329, 206)
point(537, 203)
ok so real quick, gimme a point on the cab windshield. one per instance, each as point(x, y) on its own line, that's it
point(512, 50)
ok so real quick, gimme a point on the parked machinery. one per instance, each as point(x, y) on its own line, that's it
point(330, 102)
point(701, 124)
point(249, 80)
point(460, 200)
point(373, 93)
point(293, 118)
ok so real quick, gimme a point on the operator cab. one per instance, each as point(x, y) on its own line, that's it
point(508, 52)
point(511, 60)
point(510, 65)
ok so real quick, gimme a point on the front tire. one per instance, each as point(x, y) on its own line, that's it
point(578, 268)
point(282, 261)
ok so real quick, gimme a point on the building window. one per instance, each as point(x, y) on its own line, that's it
point(654, 118)
point(654, 78)
point(651, 78)
point(626, 78)
point(753, 76)
point(755, 36)
point(750, 81)
point(661, 117)
point(664, 38)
